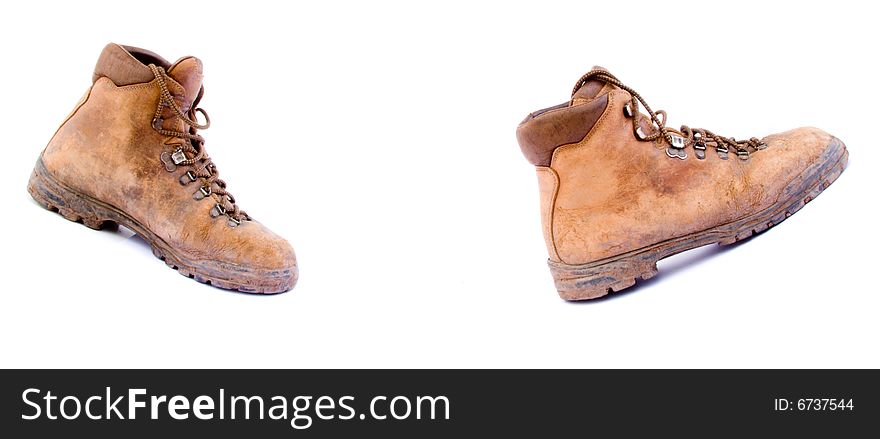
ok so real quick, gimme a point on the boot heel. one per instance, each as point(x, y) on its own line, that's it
point(596, 279)
point(53, 196)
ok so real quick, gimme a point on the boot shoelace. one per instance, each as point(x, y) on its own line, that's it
point(192, 153)
point(697, 138)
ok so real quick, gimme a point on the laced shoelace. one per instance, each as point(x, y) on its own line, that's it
point(697, 138)
point(192, 152)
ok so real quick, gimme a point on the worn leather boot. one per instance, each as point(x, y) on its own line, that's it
point(130, 154)
point(620, 191)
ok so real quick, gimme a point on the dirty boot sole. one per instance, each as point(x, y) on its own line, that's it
point(596, 279)
point(55, 196)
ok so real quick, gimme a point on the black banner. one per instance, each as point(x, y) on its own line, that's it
point(437, 403)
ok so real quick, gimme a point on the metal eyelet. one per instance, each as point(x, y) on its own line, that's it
point(743, 154)
point(677, 141)
point(233, 222)
point(217, 210)
point(641, 133)
point(178, 156)
point(627, 110)
point(676, 147)
point(165, 158)
point(202, 193)
point(171, 160)
point(157, 123)
point(700, 150)
point(187, 178)
point(722, 151)
point(676, 153)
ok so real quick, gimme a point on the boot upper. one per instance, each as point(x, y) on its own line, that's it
point(610, 192)
point(115, 146)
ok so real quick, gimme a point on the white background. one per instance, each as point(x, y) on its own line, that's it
point(379, 139)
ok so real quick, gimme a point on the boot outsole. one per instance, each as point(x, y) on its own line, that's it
point(599, 278)
point(94, 214)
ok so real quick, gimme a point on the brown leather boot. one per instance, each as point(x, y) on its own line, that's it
point(620, 191)
point(129, 154)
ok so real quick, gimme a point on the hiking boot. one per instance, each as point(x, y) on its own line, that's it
point(130, 154)
point(619, 190)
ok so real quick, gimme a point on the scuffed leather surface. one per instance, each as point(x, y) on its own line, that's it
point(108, 150)
point(617, 194)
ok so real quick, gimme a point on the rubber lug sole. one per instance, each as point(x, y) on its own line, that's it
point(56, 197)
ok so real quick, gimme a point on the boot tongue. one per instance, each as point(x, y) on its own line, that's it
point(186, 81)
point(188, 73)
point(590, 89)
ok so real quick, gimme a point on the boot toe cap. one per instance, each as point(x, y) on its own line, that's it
point(797, 157)
point(262, 249)
point(801, 145)
point(792, 152)
point(253, 253)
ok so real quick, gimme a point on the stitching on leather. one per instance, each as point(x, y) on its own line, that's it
point(82, 103)
point(586, 139)
point(534, 118)
point(598, 95)
point(117, 88)
point(552, 208)
point(576, 146)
